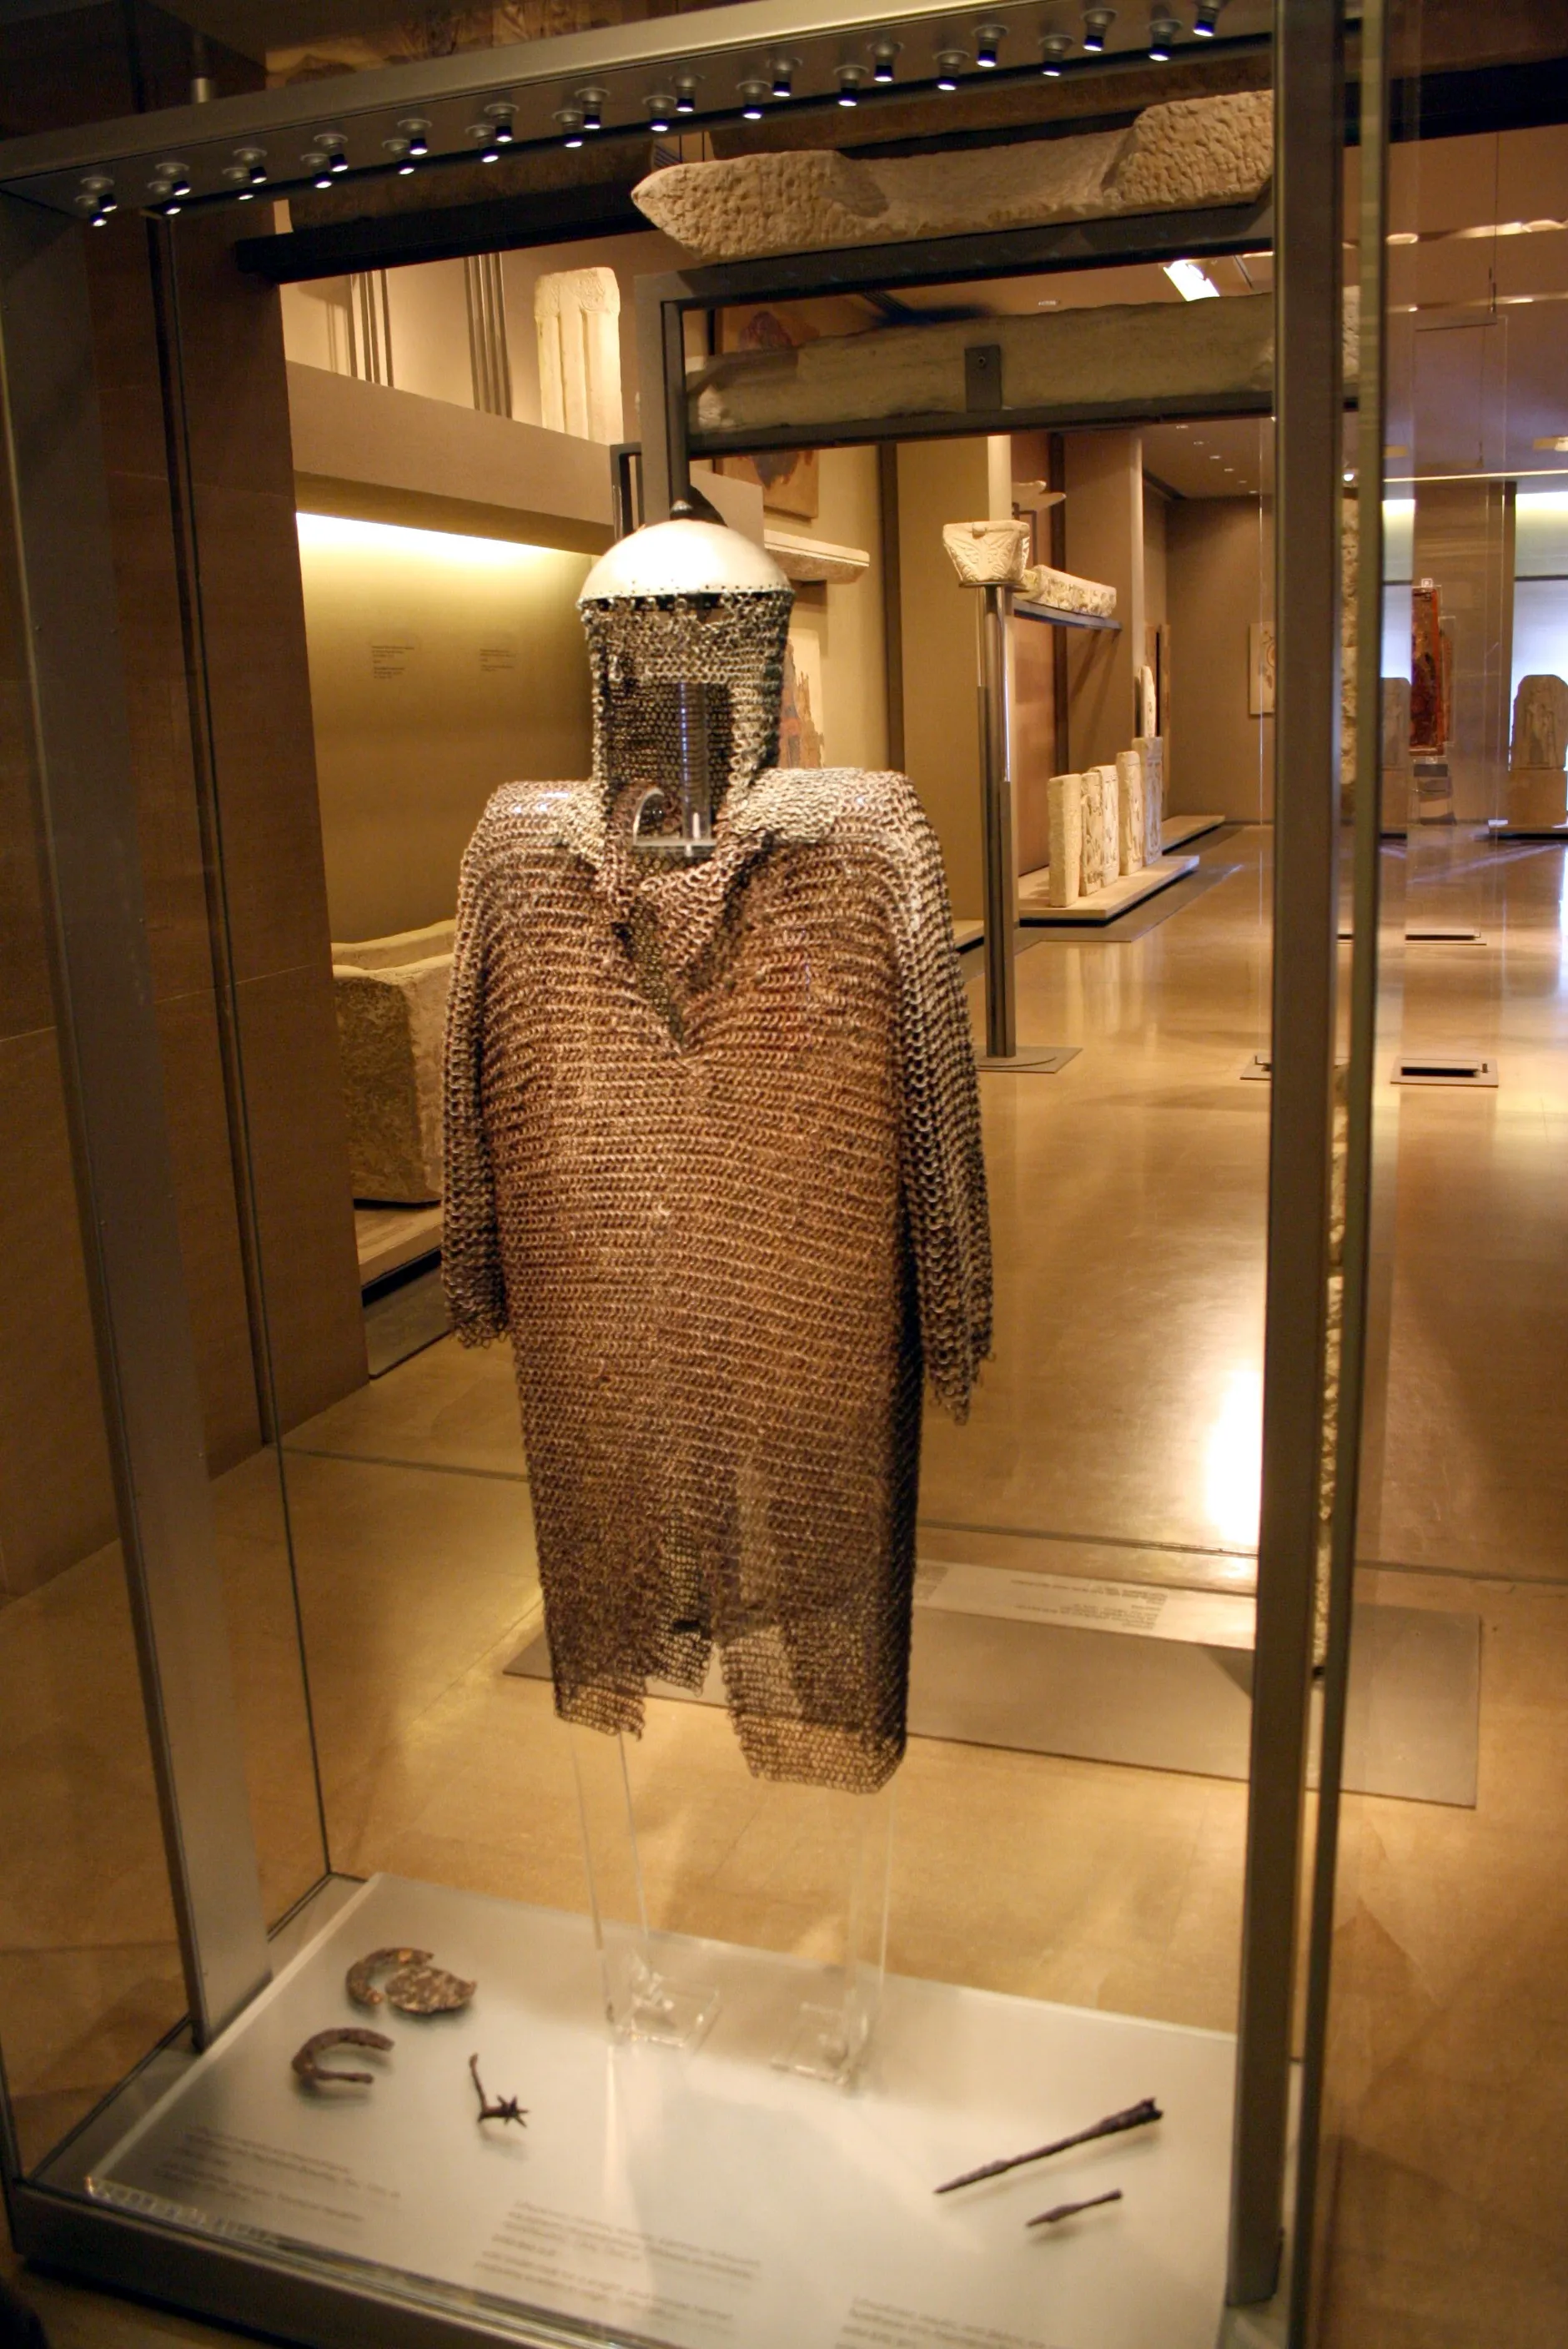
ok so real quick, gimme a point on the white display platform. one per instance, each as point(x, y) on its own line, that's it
point(1101, 906)
point(1176, 831)
point(706, 2198)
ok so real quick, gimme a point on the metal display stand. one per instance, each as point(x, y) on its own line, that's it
point(998, 606)
point(658, 1985)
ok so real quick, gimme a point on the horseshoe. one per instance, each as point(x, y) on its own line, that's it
point(310, 2071)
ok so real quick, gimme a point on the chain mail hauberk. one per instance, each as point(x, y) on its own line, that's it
point(714, 1163)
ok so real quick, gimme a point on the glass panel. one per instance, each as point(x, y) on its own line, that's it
point(1039, 1923)
point(1443, 2053)
point(89, 1968)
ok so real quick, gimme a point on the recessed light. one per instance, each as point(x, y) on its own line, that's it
point(1193, 284)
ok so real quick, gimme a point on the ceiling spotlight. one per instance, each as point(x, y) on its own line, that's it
point(950, 64)
point(317, 164)
point(752, 94)
point(1193, 284)
point(661, 106)
point(593, 102)
point(782, 84)
point(884, 54)
point(570, 121)
point(501, 114)
point(97, 198)
point(686, 93)
point(247, 172)
point(171, 179)
point(415, 130)
point(1097, 24)
point(988, 41)
point(852, 80)
point(1162, 31)
point(329, 145)
point(1206, 17)
point(1053, 47)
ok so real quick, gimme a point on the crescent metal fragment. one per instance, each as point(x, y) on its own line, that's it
point(309, 2069)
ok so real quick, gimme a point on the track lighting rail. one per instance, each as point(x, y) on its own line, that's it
point(756, 61)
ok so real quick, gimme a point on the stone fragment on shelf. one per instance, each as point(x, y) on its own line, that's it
point(1196, 151)
point(812, 562)
point(987, 554)
point(1124, 353)
point(1064, 813)
point(991, 555)
point(1065, 592)
point(1185, 153)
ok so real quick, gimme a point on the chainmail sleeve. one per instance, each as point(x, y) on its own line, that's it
point(471, 1270)
point(943, 1162)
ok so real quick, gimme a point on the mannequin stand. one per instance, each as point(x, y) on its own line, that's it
point(656, 1984)
point(829, 2038)
point(650, 1990)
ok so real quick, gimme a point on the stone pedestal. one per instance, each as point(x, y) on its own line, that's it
point(1537, 797)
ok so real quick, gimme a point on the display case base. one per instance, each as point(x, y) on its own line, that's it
point(1103, 905)
point(695, 2198)
point(1176, 831)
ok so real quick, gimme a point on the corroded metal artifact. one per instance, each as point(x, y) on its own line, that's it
point(496, 2108)
point(1071, 2209)
point(306, 2065)
point(415, 1986)
point(1135, 2117)
point(425, 1989)
point(360, 1987)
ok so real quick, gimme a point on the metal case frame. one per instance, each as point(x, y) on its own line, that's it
point(55, 457)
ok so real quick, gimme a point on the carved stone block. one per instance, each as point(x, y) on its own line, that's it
point(987, 554)
point(1109, 823)
point(1150, 749)
point(1132, 832)
point(1091, 783)
point(1122, 352)
point(1064, 809)
point(1540, 724)
point(1191, 151)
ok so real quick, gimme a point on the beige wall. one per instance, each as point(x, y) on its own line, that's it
point(1105, 542)
point(845, 625)
point(1219, 557)
point(440, 667)
point(941, 482)
point(1156, 598)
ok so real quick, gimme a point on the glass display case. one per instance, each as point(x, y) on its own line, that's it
point(798, 1831)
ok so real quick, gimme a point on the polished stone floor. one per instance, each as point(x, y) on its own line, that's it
point(1116, 1435)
